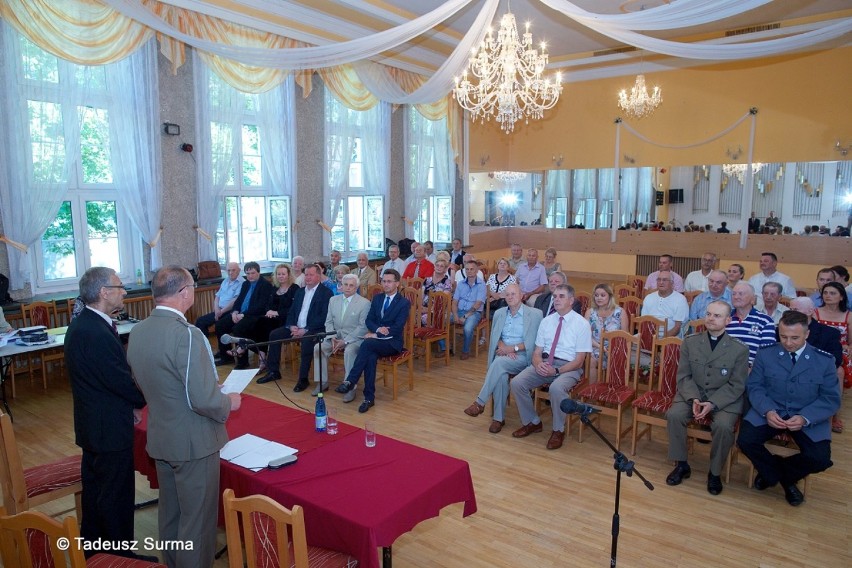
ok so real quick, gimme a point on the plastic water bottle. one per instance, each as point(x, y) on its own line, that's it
point(139, 276)
point(321, 416)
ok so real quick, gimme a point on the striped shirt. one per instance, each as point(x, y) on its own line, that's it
point(756, 330)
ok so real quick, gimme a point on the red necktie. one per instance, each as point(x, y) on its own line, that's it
point(556, 338)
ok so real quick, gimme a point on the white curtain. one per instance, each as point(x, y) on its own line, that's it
point(34, 171)
point(375, 139)
point(135, 145)
point(424, 140)
point(339, 148)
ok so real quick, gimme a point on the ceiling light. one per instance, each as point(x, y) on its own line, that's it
point(509, 177)
point(739, 170)
point(639, 104)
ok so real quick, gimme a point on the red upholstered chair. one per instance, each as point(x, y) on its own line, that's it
point(42, 313)
point(482, 329)
point(691, 295)
point(624, 290)
point(632, 306)
point(637, 282)
point(616, 386)
point(650, 408)
point(695, 326)
point(406, 356)
point(437, 326)
point(272, 536)
point(373, 291)
point(647, 329)
point(416, 283)
point(23, 489)
point(585, 300)
point(781, 445)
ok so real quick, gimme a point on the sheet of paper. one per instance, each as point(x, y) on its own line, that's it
point(254, 452)
point(238, 380)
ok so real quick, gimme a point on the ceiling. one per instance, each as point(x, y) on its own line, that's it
point(573, 48)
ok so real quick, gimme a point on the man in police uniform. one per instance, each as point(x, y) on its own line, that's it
point(711, 378)
point(792, 388)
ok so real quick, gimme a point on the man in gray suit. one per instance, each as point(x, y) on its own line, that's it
point(711, 378)
point(366, 275)
point(173, 365)
point(347, 314)
point(513, 331)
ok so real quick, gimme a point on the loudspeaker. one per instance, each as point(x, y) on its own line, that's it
point(660, 198)
point(676, 196)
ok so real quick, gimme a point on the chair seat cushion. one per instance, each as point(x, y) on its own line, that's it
point(428, 332)
point(52, 476)
point(653, 402)
point(111, 561)
point(401, 356)
point(324, 558)
point(605, 393)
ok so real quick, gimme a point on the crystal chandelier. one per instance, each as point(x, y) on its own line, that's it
point(510, 86)
point(739, 170)
point(639, 104)
point(509, 177)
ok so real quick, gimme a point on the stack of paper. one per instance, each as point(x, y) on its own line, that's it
point(254, 453)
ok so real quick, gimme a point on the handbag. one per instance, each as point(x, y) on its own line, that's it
point(209, 269)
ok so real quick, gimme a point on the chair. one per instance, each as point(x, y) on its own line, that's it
point(373, 291)
point(624, 290)
point(637, 283)
point(26, 488)
point(585, 300)
point(632, 306)
point(30, 539)
point(542, 393)
point(272, 535)
point(650, 408)
point(695, 326)
point(141, 307)
point(392, 362)
point(416, 283)
point(42, 313)
point(616, 386)
point(691, 295)
point(781, 445)
point(415, 297)
point(437, 326)
point(481, 330)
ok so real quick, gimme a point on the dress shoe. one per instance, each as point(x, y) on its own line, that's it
point(350, 396)
point(474, 409)
point(344, 387)
point(464, 356)
point(145, 558)
point(555, 441)
point(316, 390)
point(714, 484)
point(678, 474)
point(496, 426)
point(241, 366)
point(761, 484)
point(301, 385)
point(365, 406)
point(526, 430)
point(223, 361)
point(793, 495)
point(270, 376)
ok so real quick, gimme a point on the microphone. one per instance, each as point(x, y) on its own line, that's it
point(570, 406)
point(230, 340)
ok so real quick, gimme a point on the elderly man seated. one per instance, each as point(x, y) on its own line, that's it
point(667, 304)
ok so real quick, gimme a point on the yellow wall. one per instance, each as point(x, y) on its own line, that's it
point(802, 100)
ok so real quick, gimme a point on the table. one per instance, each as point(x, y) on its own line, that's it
point(355, 498)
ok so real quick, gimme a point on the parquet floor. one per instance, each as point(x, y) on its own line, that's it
point(540, 508)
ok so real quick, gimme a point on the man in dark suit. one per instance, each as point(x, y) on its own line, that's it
point(544, 302)
point(386, 324)
point(821, 336)
point(248, 308)
point(724, 228)
point(711, 378)
point(792, 388)
point(306, 318)
point(106, 403)
point(753, 223)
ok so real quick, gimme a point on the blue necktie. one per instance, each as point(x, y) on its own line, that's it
point(247, 301)
point(385, 305)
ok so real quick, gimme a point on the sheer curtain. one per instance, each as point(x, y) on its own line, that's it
point(425, 140)
point(606, 192)
point(136, 145)
point(375, 137)
point(340, 148)
point(556, 187)
point(34, 171)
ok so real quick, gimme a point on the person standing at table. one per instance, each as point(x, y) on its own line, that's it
point(4, 325)
point(173, 365)
point(106, 403)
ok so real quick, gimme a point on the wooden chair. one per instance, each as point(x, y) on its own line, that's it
point(415, 297)
point(632, 306)
point(781, 445)
point(416, 283)
point(616, 386)
point(141, 307)
point(637, 283)
point(373, 291)
point(624, 290)
point(42, 313)
point(695, 326)
point(542, 393)
point(34, 486)
point(650, 408)
point(481, 330)
point(585, 300)
point(30, 539)
point(272, 535)
point(437, 326)
point(691, 296)
point(406, 356)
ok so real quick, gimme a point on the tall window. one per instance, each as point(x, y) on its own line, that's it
point(68, 138)
point(429, 179)
point(357, 175)
point(254, 218)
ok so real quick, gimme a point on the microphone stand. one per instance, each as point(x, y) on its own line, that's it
point(244, 343)
point(621, 464)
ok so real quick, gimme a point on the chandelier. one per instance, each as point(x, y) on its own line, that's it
point(739, 170)
point(639, 104)
point(508, 177)
point(510, 85)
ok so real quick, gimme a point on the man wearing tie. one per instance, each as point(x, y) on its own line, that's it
point(419, 267)
point(249, 307)
point(366, 275)
point(792, 388)
point(347, 315)
point(386, 323)
point(544, 302)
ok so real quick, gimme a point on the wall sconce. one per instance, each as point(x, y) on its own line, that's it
point(558, 161)
point(484, 160)
point(842, 149)
point(171, 129)
point(629, 160)
point(735, 154)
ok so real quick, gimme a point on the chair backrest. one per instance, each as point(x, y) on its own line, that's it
point(40, 313)
point(11, 470)
point(637, 283)
point(624, 290)
point(632, 306)
point(585, 301)
point(412, 322)
point(621, 354)
point(695, 326)
point(415, 296)
point(691, 295)
point(373, 291)
point(30, 539)
point(664, 365)
point(139, 307)
point(412, 282)
point(267, 530)
point(648, 329)
point(440, 308)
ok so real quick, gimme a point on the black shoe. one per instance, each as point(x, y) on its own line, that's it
point(344, 387)
point(145, 558)
point(793, 495)
point(678, 474)
point(714, 484)
point(365, 406)
point(271, 376)
point(300, 386)
point(760, 483)
point(223, 361)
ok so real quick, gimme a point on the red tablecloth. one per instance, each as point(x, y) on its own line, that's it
point(356, 499)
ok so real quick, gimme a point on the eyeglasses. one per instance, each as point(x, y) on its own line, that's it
point(193, 285)
point(115, 286)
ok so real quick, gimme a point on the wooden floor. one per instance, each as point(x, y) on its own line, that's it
point(540, 507)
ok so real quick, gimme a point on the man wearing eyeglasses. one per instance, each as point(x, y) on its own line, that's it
point(249, 307)
point(667, 304)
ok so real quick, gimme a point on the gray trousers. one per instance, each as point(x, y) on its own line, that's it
point(497, 382)
point(721, 429)
point(189, 510)
point(560, 387)
point(349, 354)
